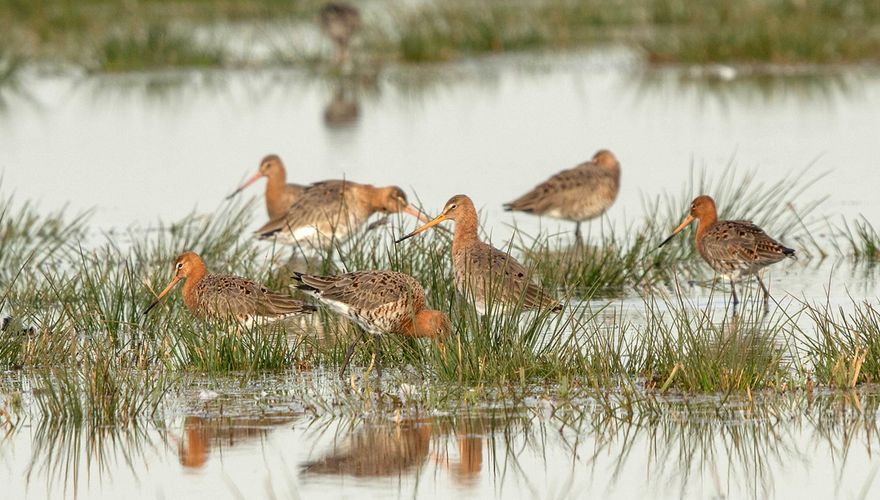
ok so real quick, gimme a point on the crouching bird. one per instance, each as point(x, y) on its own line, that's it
point(379, 302)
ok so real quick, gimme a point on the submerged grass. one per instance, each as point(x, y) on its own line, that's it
point(759, 31)
point(863, 240)
point(448, 30)
point(705, 31)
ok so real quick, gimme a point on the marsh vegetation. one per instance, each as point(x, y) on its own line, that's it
point(106, 35)
point(646, 369)
point(75, 298)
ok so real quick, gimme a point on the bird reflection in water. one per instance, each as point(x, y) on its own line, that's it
point(202, 435)
point(392, 450)
point(343, 110)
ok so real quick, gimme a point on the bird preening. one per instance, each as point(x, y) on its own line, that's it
point(579, 194)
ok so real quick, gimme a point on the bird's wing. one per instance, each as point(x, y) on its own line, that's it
point(318, 204)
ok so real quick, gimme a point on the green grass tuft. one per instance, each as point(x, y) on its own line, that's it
point(158, 48)
point(844, 348)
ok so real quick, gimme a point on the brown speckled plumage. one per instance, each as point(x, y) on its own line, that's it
point(737, 248)
point(332, 211)
point(482, 271)
point(578, 194)
point(733, 248)
point(380, 302)
point(220, 296)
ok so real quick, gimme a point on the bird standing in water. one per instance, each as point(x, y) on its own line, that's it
point(279, 194)
point(220, 296)
point(380, 302)
point(733, 248)
point(577, 194)
point(340, 21)
point(481, 270)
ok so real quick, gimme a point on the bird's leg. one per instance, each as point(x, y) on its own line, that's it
point(735, 298)
point(733, 290)
point(577, 234)
point(378, 356)
point(766, 293)
point(341, 54)
point(348, 354)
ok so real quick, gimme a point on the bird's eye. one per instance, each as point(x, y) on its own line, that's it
point(452, 206)
point(180, 265)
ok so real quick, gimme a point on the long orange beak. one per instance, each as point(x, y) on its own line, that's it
point(437, 220)
point(164, 292)
point(411, 210)
point(250, 181)
point(684, 224)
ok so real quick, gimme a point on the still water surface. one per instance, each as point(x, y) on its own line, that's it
point(252, 440)
point(149, 147)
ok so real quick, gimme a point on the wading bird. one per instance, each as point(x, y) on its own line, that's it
point(279, 194)
point(380, 302)
point(577, 194)
point(340, 21)
point(733, 248)
point(482, 271)
point(331, 211)
point(220, 296)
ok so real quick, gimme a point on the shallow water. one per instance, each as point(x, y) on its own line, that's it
point(228, 439)
point(140, 147)
point(144, 147)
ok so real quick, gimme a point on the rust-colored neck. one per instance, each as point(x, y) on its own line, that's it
point(424, 324)
point(276, 183)
point(706, 221)
point(375, 199)
point(465, 228)
point(193, 277)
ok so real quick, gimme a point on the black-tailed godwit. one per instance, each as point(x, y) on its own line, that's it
point(482, 271)
point(340, 21)
point(577, 194)
point(221, 296)
point(380, 302)
point(279, 194)
point(733, 248)
point(331, 211)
